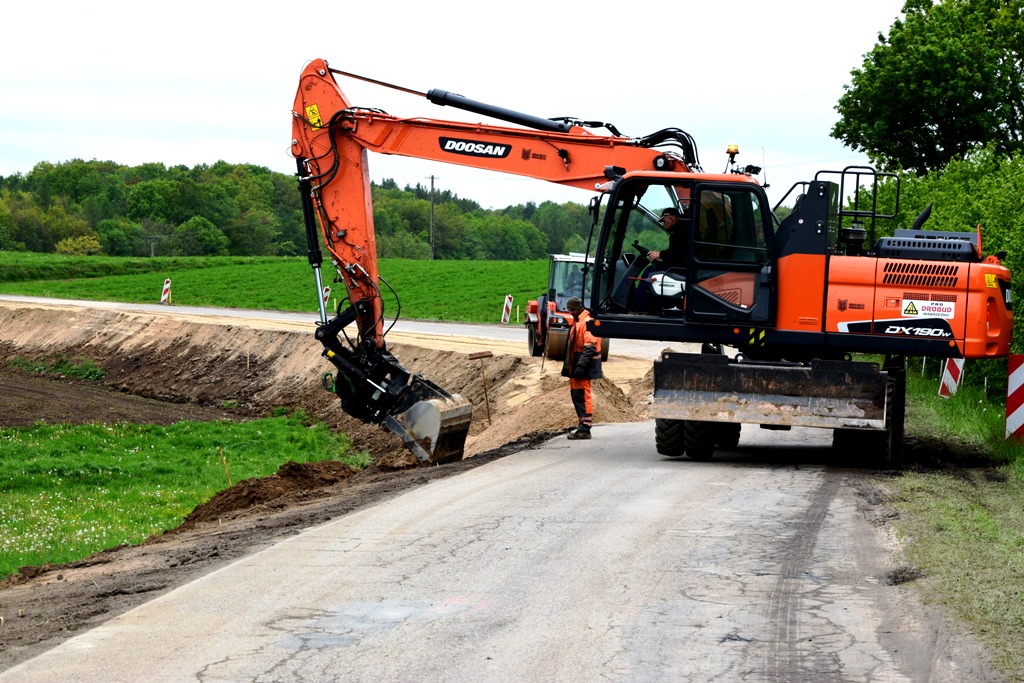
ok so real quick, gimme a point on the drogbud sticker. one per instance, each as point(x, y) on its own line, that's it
point(916, 308)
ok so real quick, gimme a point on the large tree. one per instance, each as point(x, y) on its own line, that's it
point(945, 81)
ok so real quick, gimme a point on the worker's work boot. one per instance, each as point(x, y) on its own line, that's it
point(579, 434)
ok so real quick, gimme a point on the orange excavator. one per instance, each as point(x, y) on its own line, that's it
point(794, 299)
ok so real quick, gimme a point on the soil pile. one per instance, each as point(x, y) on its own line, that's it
point(292, 477)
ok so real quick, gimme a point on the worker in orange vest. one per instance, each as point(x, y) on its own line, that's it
point(581, 365)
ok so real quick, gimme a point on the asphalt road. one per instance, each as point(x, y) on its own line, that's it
point(575, 561)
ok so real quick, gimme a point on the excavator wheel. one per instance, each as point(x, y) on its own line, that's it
point(700, 439)
point(669, 437)
point(896, 393)
point(879, 448)
point(727, 435)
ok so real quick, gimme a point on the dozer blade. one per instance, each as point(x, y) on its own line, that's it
point(434, 427)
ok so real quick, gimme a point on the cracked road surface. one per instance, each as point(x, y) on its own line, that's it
point(574, 561)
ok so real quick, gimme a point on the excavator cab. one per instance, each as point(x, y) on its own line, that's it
point(717, 272)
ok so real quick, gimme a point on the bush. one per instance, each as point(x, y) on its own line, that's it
point(86, 245)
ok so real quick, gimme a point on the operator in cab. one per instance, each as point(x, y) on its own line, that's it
point(675, 255)
point(671, 258)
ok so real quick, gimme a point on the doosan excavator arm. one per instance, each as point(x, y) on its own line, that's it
point(330, 140)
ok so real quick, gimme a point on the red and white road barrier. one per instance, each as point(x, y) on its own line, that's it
point(1015, 398)
point(951, 377)
point(327, 294)
point(166, 297)
point(506, 313)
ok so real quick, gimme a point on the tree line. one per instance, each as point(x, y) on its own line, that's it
point(939, 100)
point(102, 207)
point(947, 80)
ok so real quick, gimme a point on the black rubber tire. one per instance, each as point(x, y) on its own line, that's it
point(700, 439)
point(531, 341)
point(605, 343)
point(670, 437)
point(896, 393)
point(727, 435)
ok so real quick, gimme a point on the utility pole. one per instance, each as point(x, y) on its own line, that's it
point(432, 217)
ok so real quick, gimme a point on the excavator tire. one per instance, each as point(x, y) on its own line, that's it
point(727, 435)
point(700, 439)
point(669, 437)
point(878, 448)
point(896, 391)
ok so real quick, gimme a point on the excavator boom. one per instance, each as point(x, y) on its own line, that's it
point(330, 141)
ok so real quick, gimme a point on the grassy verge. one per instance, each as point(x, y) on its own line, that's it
point(965, 532)
point(63, 366)
point(69, 491)
point(962, 523)
point(973, 419)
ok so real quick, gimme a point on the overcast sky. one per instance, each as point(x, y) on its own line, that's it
point(196, 82)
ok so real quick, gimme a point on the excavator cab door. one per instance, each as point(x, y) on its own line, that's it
point(730, 278)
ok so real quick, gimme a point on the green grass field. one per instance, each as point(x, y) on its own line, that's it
point(69, 491)
point(461, 291)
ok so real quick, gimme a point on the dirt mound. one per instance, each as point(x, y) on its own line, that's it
point(292, 477)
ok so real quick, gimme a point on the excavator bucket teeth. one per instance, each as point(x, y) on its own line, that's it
point(434, 428)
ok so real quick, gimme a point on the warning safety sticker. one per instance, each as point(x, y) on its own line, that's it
point(915, 308)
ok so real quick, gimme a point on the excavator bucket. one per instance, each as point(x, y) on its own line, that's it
point(435, 424)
